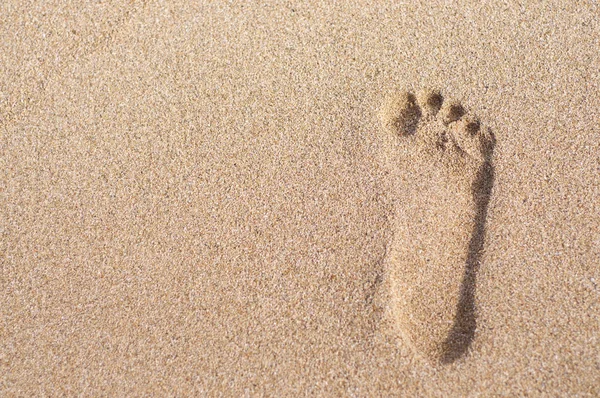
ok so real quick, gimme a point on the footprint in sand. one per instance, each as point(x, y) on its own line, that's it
point(441, 161)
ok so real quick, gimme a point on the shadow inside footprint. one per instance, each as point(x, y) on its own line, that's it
point(461, 335)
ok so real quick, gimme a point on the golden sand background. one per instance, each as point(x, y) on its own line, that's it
point(192, 202)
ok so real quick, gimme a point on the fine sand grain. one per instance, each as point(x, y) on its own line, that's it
point(223, 198)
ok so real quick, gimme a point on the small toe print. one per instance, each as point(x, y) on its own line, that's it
point(453, 112)
point(432, 101)
point(467, 133)
point(472, 127)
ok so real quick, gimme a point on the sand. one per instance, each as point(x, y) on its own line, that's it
point(204, 199)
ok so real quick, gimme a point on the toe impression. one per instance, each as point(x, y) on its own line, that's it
point(472, 138)
point(431, 101)
point(452, 112)
point(400, 114)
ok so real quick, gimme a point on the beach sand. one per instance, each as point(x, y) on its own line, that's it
point(225, 199)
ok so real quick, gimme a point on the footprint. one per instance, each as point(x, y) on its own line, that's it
point(441, 161)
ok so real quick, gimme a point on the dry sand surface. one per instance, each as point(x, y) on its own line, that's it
point(223, 198)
